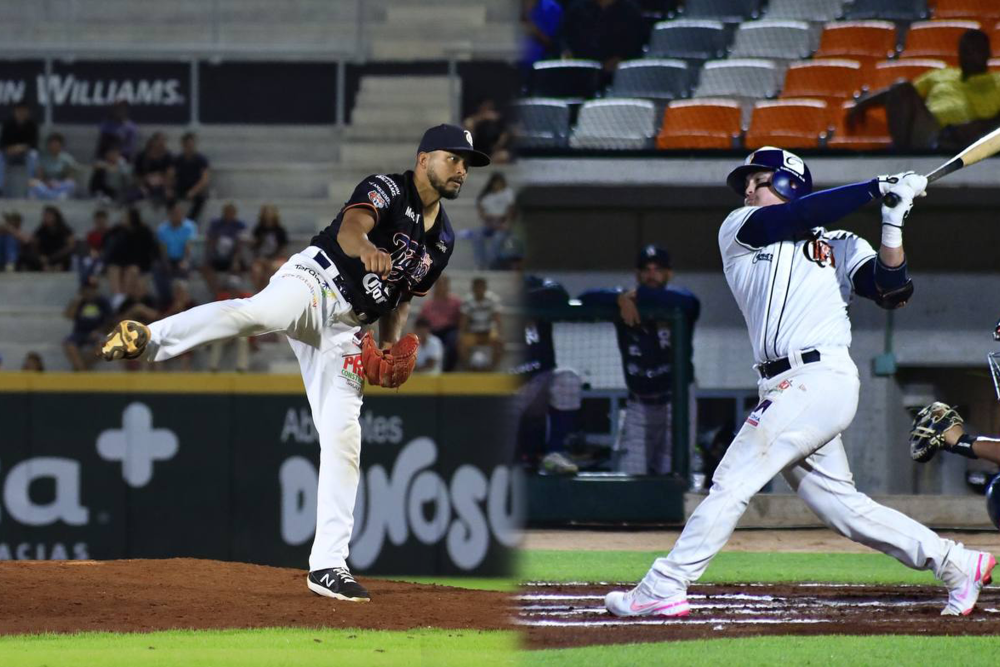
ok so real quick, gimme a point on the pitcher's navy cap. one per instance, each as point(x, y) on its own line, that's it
point(453, 139)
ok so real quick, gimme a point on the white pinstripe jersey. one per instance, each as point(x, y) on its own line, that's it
point(793, 294)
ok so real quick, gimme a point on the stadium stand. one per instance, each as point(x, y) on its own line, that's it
point(689, 39)
point(615, 124)
point(936, 39)
point(888, 10)
point(652, 78)
point(777, 40)
point(571, 79)
point(788, 123)
point(832, 80)
point(728, 11)
point(986, 11)
point(805, 10)
point(703, 123)
point(865, 41)
point(541, 123)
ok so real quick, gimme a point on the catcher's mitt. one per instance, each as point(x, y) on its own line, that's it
point(389, 368)
point(927, 434)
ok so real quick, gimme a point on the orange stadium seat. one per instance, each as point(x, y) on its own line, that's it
point(832, 79)
point(860, 40)
point(800, 123)
point(994, 64)
point(987, 11)
point(889, 72)
point(703, 123)
point(995, 38)
point(936, 39)
point(870, 134)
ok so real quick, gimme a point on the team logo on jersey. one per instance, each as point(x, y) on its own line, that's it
point(374, 288)
point(442, 246)
point(762, 256)
point(758, 412)
point(410, 260)
point(377, 200)
point(819, 251)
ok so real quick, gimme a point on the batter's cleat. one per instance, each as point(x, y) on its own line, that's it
point(637, 602)
point(337, 582)
point(127, 340)
point(964, 590)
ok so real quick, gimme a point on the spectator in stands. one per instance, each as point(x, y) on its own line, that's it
point(430, 354)
point(55, 175)
point(224, 246)
point(91, 256)
point(480, 344)
point(53, 243)
point(90, 313)
point(540, 21)
point(112, 179)
point(154, 170)
point(120, 130)
point(443, 313)
point(191, 176)
point(12, 240)
point(18, 141)
point(176, 235)
point(138, 303)
point(495, 205)
point(944, 108)
point(180, 300)
point(32, 363)
point(488, 127)
point(130, 245)
point(232, 289)
point(269, 242)
point(608, 31)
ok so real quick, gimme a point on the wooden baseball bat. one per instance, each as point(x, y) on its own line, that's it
point(979, 150)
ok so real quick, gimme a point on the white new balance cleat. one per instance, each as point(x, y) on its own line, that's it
point(964, 585)
point(637, 602)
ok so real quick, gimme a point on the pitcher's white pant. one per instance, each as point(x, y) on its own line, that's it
point(795, 430)
point(302, 302)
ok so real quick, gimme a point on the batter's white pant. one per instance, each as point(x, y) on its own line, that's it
point(302, 302)
point(795, 430)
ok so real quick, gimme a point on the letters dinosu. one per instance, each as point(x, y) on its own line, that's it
point(466, 510)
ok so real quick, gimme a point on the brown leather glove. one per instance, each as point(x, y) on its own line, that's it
point(389, 368)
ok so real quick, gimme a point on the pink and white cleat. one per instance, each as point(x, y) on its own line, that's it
point(964, 590)
point(638, 602)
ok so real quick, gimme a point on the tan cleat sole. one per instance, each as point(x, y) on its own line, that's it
point(126, 341)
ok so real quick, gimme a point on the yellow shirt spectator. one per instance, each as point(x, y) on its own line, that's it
point(953, 101)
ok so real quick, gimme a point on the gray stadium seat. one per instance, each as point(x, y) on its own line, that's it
point(691, 39)
point(806, 10)
point(747, 78)
point(570, 79)
point(790, 40)
point(652, 78)
point(620, 124)
point(540, 123)
point(730, 11)
point(888, 10)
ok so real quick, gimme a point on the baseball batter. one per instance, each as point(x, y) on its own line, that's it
point(647, 353)
point(390, 241)
point(793, 280)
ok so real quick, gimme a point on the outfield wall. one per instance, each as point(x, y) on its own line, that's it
point(225, 467)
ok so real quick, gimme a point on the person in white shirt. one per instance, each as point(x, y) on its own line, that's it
point(793, 281)
point(430, 354)
point(495, 205)
point(480, 344)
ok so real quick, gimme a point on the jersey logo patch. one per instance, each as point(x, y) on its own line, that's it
point(758, 412)
point(376, 199)
point(820, 252)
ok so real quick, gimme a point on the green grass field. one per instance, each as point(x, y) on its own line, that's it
point(630, 566)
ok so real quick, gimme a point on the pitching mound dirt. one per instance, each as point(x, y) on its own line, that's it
point(560, 616)
point(147, 595)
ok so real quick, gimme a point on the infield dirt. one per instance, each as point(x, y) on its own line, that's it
point(184, 593)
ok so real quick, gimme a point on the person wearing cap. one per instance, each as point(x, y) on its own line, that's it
point(389, 242)
point(644, 334)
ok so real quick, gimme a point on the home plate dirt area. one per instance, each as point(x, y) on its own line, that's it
point(566, 615)
point(148, 595)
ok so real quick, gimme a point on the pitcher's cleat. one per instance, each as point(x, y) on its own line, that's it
point(637, 602)
point(127, 340)
point(964, 590)
point(339, 583)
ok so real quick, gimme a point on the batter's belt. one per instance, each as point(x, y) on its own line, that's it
point(769, 369)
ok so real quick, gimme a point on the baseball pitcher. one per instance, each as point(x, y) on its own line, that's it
point(793, 281)
point(390, 241)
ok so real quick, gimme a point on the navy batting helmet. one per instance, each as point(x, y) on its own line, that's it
point(791, 178)
point(654, 254)
point(993, 501)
